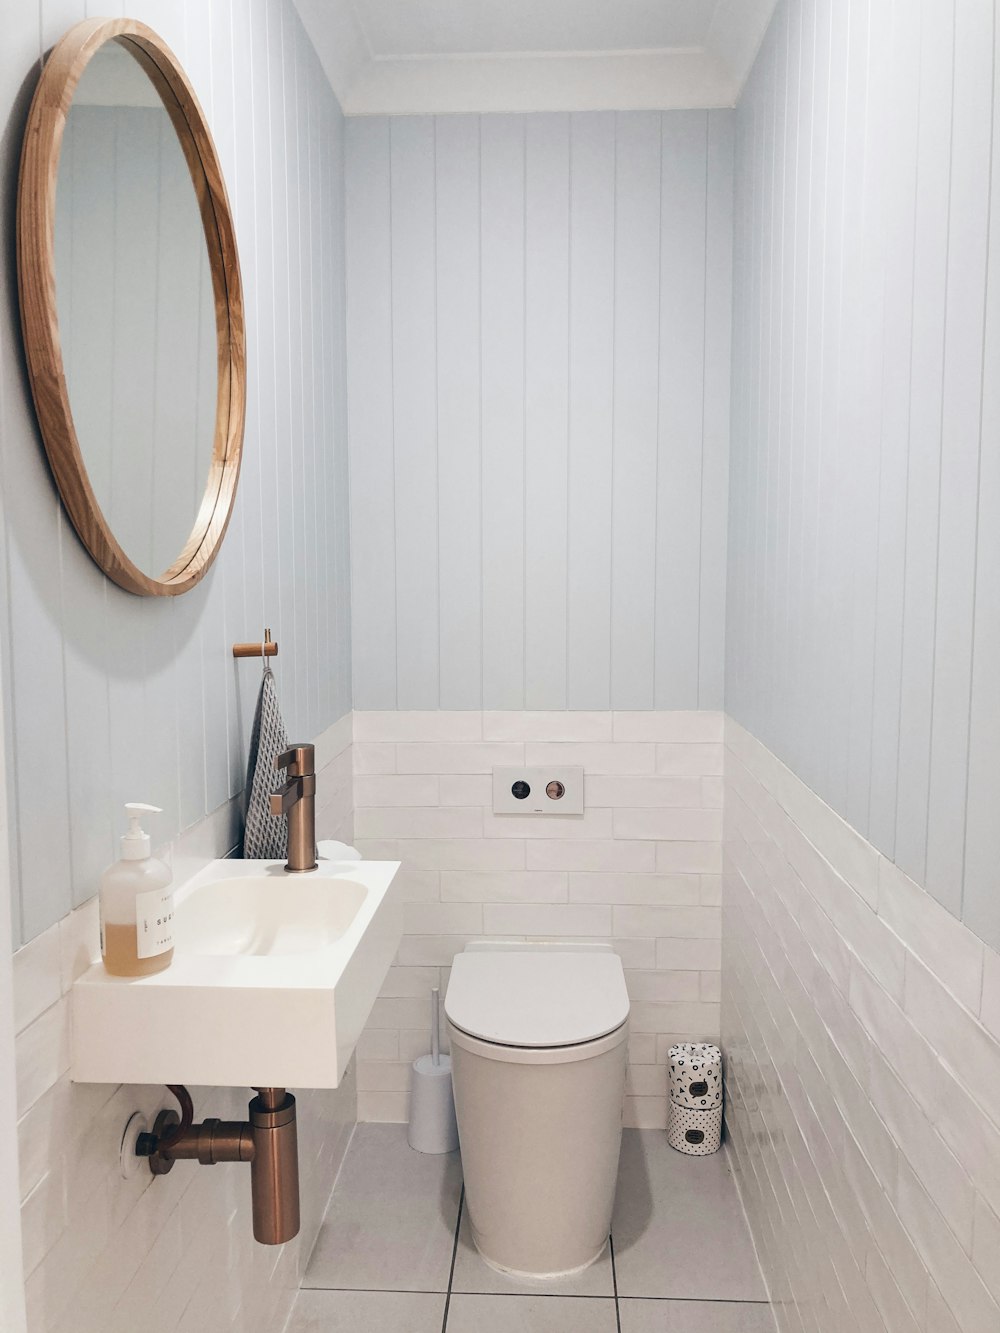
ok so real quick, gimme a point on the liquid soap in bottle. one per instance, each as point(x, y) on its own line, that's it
point(137, 907)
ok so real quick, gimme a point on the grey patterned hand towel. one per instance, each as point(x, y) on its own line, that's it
point(265, 838)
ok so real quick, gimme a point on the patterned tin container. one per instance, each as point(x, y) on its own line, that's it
point(694, 1075)
point(696, 1133)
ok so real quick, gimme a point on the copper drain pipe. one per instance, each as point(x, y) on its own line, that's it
point(268, 1141)
point(274, 1170)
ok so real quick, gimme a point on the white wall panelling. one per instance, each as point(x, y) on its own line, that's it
point(12, 1312)
point(863, 1070)
point(538, 324)
point(639, 868)
point(864, 622)
point(114, 698)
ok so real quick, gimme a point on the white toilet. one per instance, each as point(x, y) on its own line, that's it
point(538, 1042)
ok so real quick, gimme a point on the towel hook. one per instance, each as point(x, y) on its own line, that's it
point(262, 650)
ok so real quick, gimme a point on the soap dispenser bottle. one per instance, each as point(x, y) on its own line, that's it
point(137, 907)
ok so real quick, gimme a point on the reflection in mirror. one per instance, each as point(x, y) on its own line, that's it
point(136, 309)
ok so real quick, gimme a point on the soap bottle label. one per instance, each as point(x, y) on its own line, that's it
point(154, 923)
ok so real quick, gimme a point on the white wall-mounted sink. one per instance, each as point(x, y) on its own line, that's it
point(274, 976)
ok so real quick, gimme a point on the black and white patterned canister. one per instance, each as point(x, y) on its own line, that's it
point(696, 1133)
point(694, 1075)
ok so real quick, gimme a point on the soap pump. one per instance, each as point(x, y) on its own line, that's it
point(137, 907)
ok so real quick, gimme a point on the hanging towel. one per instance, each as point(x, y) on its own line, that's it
point(265, 838)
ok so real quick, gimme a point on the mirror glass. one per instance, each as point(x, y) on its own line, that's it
point(136, 310)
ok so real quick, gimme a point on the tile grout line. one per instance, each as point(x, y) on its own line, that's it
point(697, 1300)
point(614, 1282)
point(454, 1256)
point(548, 1295)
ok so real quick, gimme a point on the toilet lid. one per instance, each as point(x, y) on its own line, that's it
point(537, 999)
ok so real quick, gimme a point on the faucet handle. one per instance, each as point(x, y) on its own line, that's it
point(299, 759)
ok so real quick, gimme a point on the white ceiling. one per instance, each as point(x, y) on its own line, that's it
point(436, 56)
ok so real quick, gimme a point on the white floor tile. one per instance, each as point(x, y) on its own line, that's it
point(472, 1274)
point(531, 1314)
point(679, 1229)
point(695, 1317)
point(391, 1221)
point(373, 1311)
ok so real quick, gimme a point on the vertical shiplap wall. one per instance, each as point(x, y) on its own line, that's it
point(112, 697)
point(538, 331)
point(863, 641)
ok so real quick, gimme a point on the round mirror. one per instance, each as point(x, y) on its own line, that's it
point(131, 306)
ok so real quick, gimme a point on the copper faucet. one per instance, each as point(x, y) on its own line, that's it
point(268, 1141)
point(297, 800)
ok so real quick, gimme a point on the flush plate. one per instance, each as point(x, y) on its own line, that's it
point(536, 791)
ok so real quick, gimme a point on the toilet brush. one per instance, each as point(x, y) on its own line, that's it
point(433, 1128)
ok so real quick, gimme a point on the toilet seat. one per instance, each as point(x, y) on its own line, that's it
point(548, 1056)
point(537, 999)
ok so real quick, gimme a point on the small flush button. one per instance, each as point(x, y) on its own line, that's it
point(538, 791)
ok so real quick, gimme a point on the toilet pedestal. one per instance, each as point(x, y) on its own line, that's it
point(538, 1044)
point(540, 1145)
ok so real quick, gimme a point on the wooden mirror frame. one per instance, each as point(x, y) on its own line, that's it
point(36, 213)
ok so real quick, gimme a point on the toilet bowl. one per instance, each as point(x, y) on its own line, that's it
point(538, 1043)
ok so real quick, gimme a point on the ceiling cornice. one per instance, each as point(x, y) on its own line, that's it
point(339, 40)
point(646, 81)
point(367, 85)
point(735, 34)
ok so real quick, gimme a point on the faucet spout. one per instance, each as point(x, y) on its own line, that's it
point(296, 800)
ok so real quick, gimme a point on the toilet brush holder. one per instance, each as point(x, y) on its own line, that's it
point(433, 1127)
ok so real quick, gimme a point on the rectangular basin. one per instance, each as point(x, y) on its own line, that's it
point(273, 978)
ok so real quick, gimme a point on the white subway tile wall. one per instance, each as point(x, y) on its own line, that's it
point(859, 1021)
point(861, 1024)
point(175, 1254)
point(640, 868)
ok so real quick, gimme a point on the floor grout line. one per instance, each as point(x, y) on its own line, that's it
point(454, 1256)
point(548, 1295)
point(614, 1282)
point(701, 1300)
point(383, 1291)
point(538, 1295)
